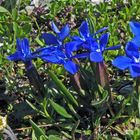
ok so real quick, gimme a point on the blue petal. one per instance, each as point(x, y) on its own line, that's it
point(103, 41)
point(25, 47)
point(83, 55)
point(70, 47)
point(54, 28)
point(135, 70)
point(101, 30)
point(56, 52)
point(47, 50)
point(84, 30)
point(44, 49)
point(23, 51)
point(94, 46)
point(33, 55)
point(113, 47)
point(122, 62)
point(64, 32)
point(73, 45)
point(18, 44)
point(71, 67)
point(90, 44)
point(14, 57)
point(96, 57)
point(51, 59)
point(52, 54)
point(135, 28)
point(136, 40)
point(76, 38)
point(49, 39)
point(132, 50)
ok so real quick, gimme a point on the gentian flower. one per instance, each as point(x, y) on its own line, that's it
point(51, 39)
point(56, 55)
point(85, 39)
point(22, 53)
point(96, 49)
point(135, 28)
point(131, 61)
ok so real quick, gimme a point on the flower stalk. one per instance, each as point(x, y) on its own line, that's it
point(35, 80)
point(138, 85)
point(102, 78)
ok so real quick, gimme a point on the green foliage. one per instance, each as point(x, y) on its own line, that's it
point(68, 112)
point(38, 131)
point(52, 137)
point(60, 110)
point(133, 134)
point(64, 90)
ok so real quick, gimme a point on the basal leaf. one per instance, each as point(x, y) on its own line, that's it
point(52, 137)
point(38, 131)
point(60, 110)
point(64, 90)
point(3, 10)
point(94, 103)
point(139, 105)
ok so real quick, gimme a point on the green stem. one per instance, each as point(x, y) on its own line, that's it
point(34, 19)
point(102, 78)
point(35, 80)
point(138, 92)
point(74, 129)
point(138, 85)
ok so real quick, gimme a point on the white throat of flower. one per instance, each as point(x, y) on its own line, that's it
point(136, 60)
point(98, 50)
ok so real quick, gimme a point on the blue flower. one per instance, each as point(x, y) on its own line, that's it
point(23, 52)
point(56, 55)
point(131, 61)
point(96, 49)
point(51, 39)
point(85, 39)
point(135, 28)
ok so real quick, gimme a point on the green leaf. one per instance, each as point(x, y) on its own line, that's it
point(17, 30)
point(64, 90)
point(91, 25)
point(14, 14)
point(34, 108)
point(42, 138)
point(27, 28)
point(33, 135)
point(39, 41)
point(3, 10)
point(60, 110)
point(139, 104)
point(94, 103)
point(52, 137)
point(38, 131)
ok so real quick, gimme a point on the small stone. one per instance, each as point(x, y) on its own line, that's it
point(3, 122)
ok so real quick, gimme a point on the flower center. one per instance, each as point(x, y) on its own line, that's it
point(98, 50)
point(136, 60)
